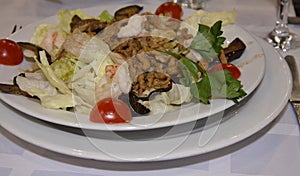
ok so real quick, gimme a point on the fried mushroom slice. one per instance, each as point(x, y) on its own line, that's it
point(234, 50)
point(12, 89)
point(127, 12)
point(90, 26)
point(146, 84)
point(35, 49)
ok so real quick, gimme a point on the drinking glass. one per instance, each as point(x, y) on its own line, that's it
point(280, 37)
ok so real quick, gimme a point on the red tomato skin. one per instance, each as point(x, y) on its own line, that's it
point(109, 111)
point(235, 71)
point(170, 9)
point(10, 52)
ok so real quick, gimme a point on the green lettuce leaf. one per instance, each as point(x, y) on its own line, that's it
point(64, 68)
point(65, 18)
point(105, 17)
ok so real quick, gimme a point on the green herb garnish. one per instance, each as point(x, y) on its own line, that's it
point(208, 41)
point(207, 85)
point(218, 84)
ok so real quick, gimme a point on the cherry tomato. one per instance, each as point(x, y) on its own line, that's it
point(235, 72)
point(10, 52)
point(170, 9)
point(110, 110)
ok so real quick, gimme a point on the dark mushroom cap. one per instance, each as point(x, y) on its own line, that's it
point(127, 12)
point(235, 49)
point(90, 26)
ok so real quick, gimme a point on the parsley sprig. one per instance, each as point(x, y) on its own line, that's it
point(208, 41)
point(207, 85)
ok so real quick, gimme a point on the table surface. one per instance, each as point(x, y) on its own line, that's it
point(275, 150)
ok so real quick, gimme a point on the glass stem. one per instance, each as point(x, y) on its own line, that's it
point(282, 16)
point(280, 37)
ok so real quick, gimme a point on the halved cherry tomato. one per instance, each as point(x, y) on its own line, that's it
point(171, 9)
point(235, 72)
point(10, 52)
point(110, 110)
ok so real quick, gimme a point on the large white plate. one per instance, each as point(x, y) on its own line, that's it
point(252, 66)
point(260, 110)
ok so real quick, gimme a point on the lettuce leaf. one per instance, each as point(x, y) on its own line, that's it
point(64, 68)
point(36, 85)
point(41, 32)
point(105, 17)
point(65, 18)
point(50, 75)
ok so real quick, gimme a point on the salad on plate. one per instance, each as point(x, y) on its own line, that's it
point(130, 63)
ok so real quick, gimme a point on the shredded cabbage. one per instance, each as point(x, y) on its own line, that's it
point(89, 68)
point(50, 75)
point(163, 102)
point(59, 101)
point(63, 68)
point(35, 85)
point(46, 31)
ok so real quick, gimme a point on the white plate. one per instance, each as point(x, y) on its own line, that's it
point(248, 120)
point(252, 66)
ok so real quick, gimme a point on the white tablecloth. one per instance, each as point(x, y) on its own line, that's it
point(273, 151)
